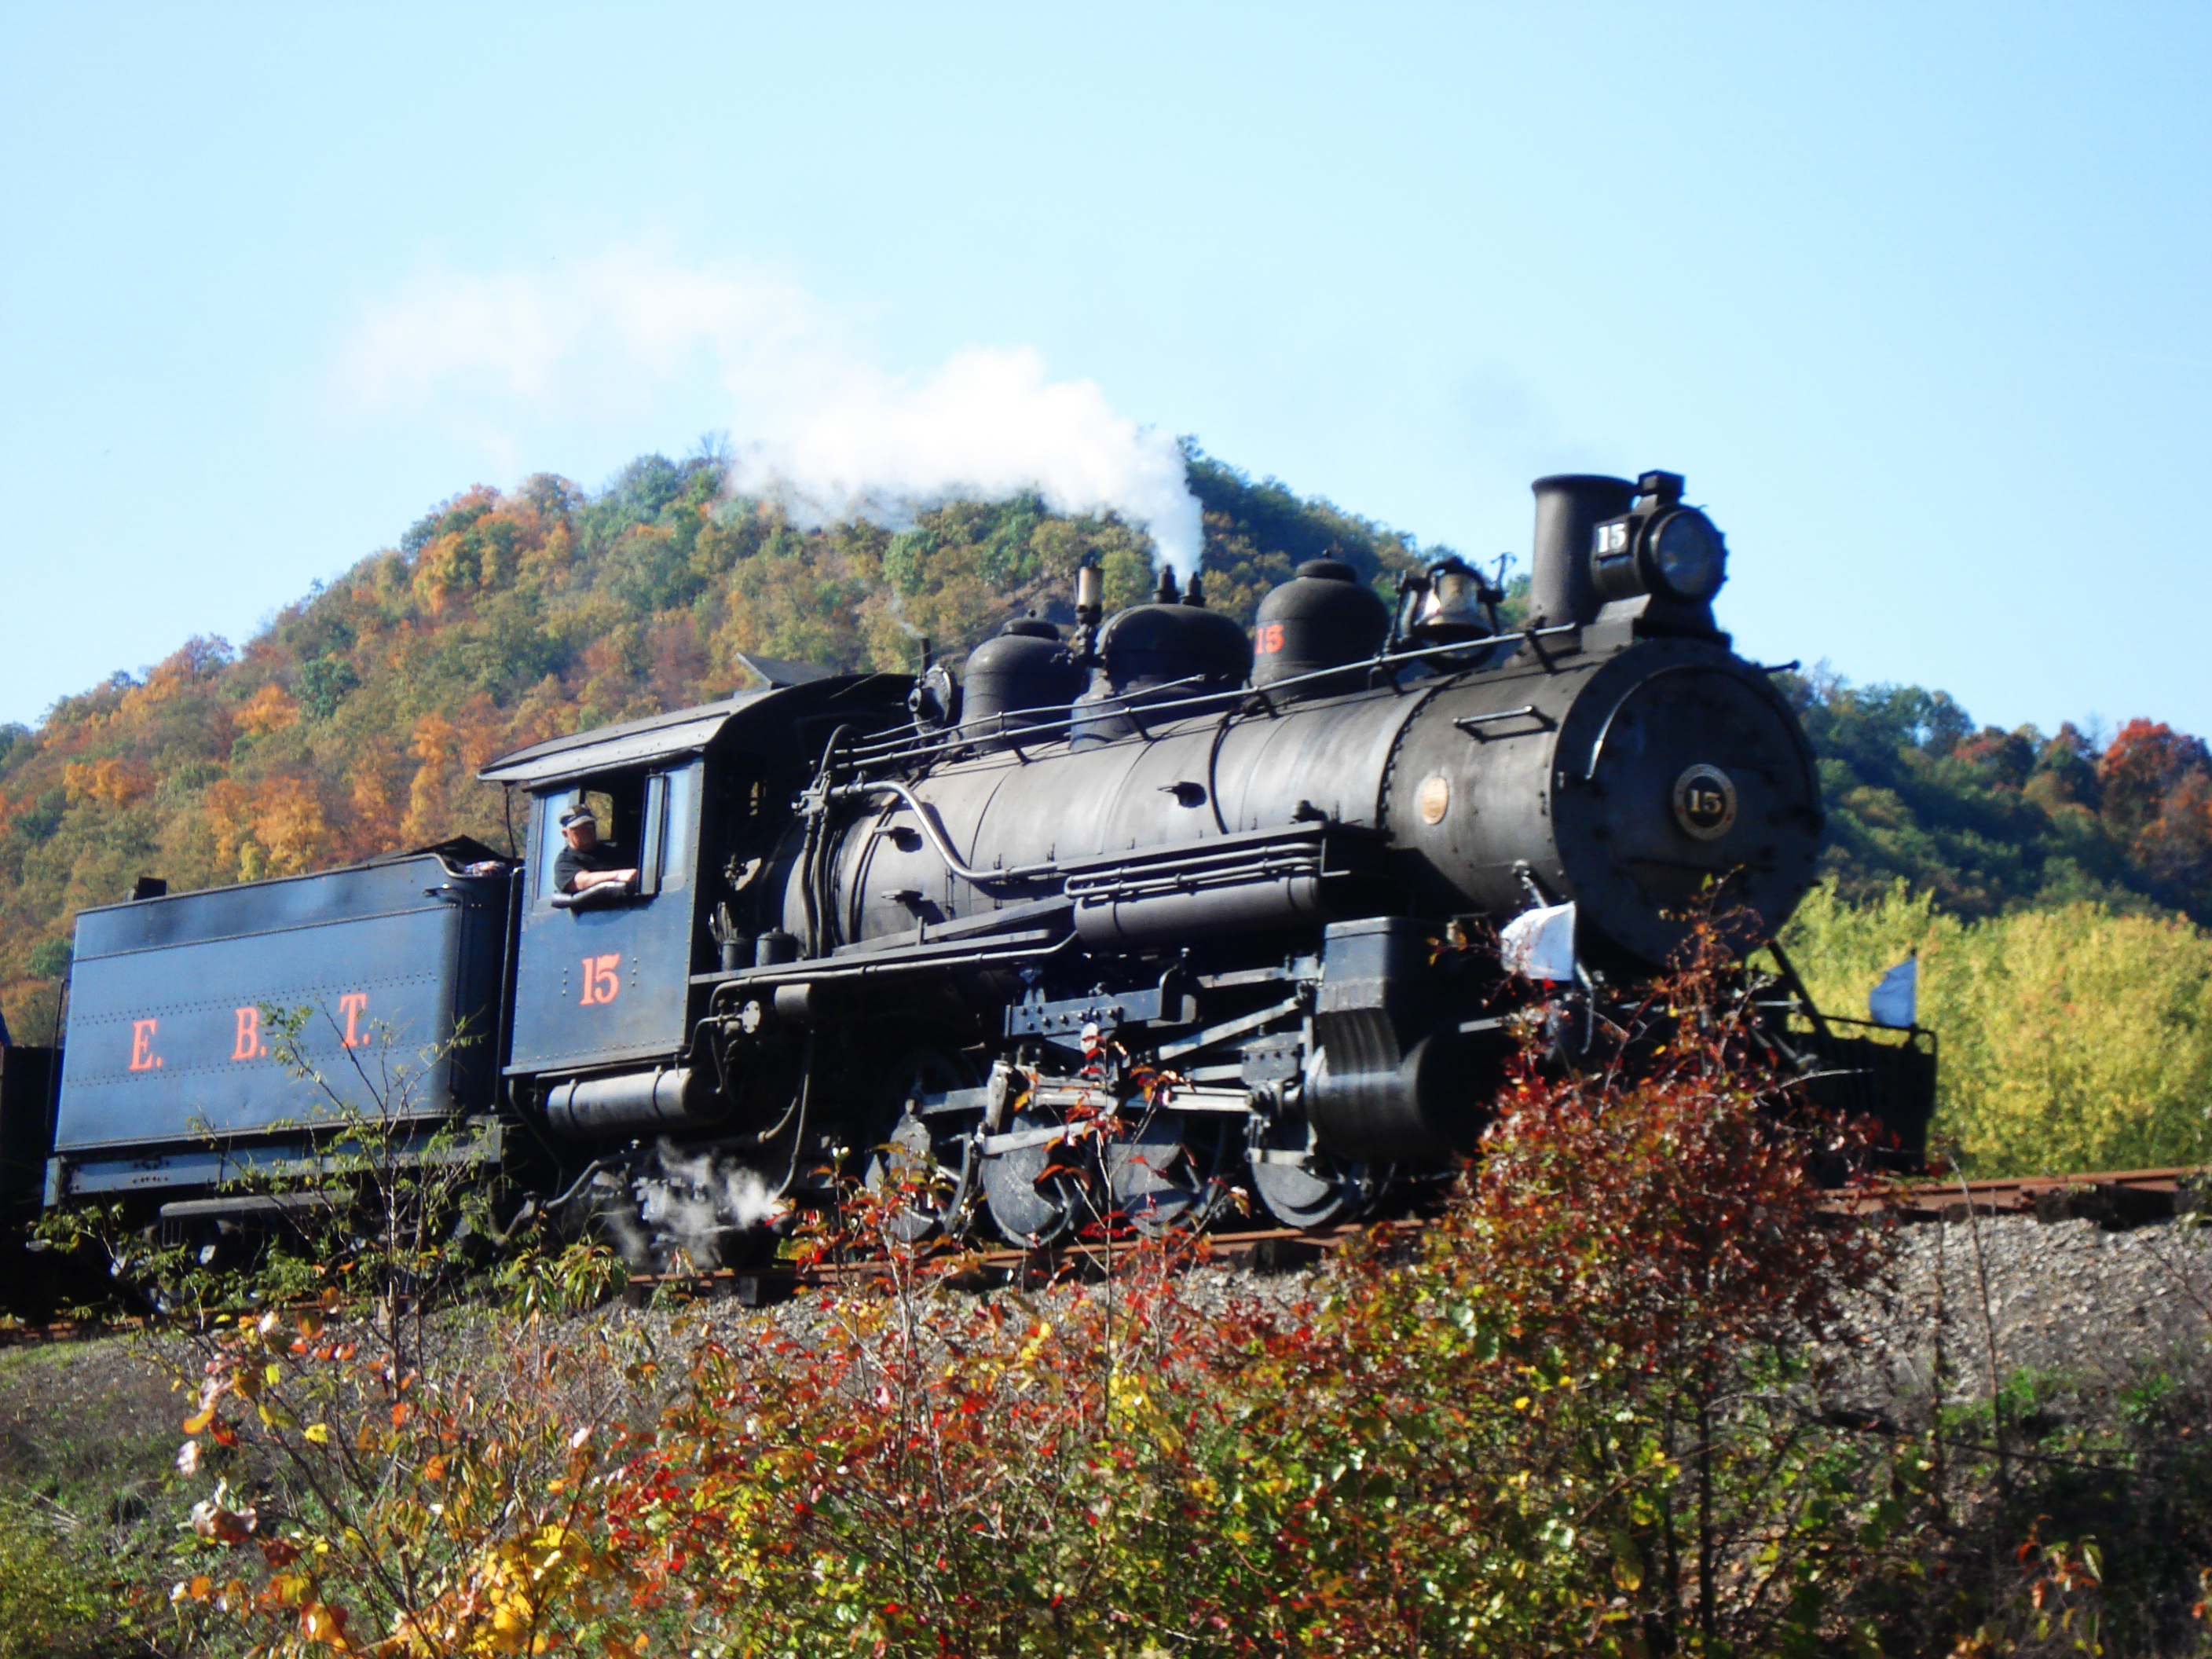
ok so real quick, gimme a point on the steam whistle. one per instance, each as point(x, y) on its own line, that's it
point(1089, 609)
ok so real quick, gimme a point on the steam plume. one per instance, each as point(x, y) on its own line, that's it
point(521, 357)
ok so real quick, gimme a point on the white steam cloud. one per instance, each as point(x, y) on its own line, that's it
point(813, 414)
point(694, 1203)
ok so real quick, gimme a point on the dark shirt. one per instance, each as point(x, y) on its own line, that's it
point(572, 863)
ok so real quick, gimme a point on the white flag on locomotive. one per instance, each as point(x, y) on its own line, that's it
point(1896, 1001)
point(1539, 944)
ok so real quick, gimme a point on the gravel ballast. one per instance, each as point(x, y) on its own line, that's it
point(2010, 1294)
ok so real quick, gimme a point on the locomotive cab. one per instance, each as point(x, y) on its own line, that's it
point(602, 970)
point(607, 1000)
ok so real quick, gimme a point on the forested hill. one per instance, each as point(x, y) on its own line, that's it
point(353, 725)
point(1989, 821)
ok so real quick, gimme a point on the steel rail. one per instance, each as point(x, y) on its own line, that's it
point(2116, 1198)
point(2112, 1198)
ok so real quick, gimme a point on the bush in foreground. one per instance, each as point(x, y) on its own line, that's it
point(1579, 1418)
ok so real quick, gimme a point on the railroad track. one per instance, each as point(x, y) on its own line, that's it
point(17, 1335)
point(2122, 1198)
point(2115, 1199)
point(1266, 1249)
point(2118, 1198)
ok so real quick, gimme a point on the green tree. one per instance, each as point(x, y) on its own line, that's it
point(2072, 1038)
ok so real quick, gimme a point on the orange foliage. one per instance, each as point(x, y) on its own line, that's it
point(227, 808)
point(480, 735)
point(2176, 844)
point(195, 662)
point(269, 709)
point(108, 783)
point(427, 799)
point(2141, 765)
point(679, 660)
point(372, 801)
point(288, 823)
point(453, 563)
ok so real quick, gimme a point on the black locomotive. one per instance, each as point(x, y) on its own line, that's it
point(1130, 920)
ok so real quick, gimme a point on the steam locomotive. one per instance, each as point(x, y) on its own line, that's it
point(1137, 919)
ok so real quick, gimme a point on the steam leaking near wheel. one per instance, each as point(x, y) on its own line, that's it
point(692, 1204)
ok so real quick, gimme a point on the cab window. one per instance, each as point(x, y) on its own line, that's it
point(646, 816)
point(618, 805)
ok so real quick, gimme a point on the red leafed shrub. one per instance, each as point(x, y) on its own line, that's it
point(1668, 1196)
point(1588, 1417)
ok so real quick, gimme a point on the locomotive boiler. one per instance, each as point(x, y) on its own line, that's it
point(1131, 919)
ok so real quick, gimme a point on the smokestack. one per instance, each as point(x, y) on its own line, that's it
point(1569, 507)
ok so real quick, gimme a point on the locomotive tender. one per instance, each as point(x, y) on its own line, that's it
point(1130, 921)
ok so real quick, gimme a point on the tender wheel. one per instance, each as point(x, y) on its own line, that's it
point(927, 1159)
point(1165, 1174)
point(1302, 1185)
point(1032, 1200)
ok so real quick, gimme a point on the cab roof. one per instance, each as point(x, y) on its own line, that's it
point(765, 722)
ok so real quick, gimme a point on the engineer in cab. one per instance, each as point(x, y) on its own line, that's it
point(586, 862)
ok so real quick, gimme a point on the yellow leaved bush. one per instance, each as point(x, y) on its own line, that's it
point(2073, 1039)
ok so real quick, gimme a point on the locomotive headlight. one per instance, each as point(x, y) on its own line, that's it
point(1688, 560)
point(1660, 548)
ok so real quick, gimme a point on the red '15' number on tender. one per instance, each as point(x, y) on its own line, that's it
point(602, 979)
point(1268, 639)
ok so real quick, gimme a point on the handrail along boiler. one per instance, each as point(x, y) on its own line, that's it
point(1129, 921)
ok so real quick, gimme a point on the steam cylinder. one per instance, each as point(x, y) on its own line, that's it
point(630, 1104)
point(1569, 507)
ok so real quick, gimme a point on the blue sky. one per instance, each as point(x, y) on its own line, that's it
point(1917, 296)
